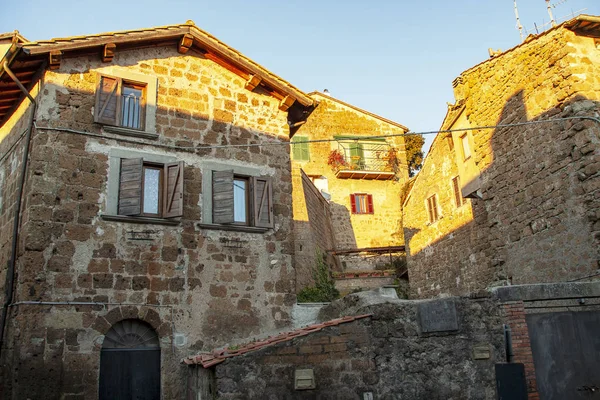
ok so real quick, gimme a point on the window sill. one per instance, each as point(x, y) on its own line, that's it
point(140, 220)
point(239, 228)
point(130, 132)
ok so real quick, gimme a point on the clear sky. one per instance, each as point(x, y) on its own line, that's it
point(395, 58)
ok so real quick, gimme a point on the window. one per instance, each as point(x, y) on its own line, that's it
point(458, 199)
point(464, 140)
point(300, 151)
point(241, 200)
point(361, 203)
point(450, 141)
point(120, 102)
point(150, 189)
point(432, 209)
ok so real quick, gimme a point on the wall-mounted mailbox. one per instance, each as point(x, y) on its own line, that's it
point(304, 379)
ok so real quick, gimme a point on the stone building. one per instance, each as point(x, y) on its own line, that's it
point(513, 204)
point(358, 164)
point(156, 216)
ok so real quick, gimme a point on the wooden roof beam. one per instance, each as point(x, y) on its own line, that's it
point(185, 43)
point(108, 52)
point(54, 59)
point(253, 82)
point(286, 103)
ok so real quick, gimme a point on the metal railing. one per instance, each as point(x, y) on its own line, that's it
point(131, 111)
point(366, 156)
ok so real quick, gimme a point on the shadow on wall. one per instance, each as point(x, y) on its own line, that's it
point(342, 226)
point(537, 220)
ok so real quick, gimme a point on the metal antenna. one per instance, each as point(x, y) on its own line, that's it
point(519, 26)
point(549, 7)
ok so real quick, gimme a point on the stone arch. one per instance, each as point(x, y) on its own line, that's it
point(104, 323)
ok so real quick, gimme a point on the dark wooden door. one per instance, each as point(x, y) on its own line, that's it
point(130, 374)
point(566, 354)
point(130, 362)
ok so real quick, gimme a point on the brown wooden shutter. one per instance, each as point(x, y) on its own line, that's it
point(370, 203)
point(130, 186)
point(173, 190)
point(222, 197)
point(353, 203)
point(108, 100)
point(263, 202)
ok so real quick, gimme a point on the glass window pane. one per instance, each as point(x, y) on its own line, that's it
point(465, 145)
point(239, 200)
point(131, 107)
point(151, 190)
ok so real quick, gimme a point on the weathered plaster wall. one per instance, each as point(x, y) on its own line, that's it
point(387, 355)
point(384, 227)
point(537, 220)
point(213, 287)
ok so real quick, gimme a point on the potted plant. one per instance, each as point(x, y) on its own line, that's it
point(336, 160)
point(392, 160)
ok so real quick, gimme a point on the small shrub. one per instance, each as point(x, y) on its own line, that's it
point(324, 289)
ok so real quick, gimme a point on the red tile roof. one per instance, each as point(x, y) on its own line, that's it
point(218, 356)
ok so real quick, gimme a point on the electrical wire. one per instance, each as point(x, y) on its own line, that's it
point(287, 143)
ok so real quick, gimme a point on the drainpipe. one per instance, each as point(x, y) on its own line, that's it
point(10, 273)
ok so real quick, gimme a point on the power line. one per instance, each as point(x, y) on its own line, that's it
point(287, 143)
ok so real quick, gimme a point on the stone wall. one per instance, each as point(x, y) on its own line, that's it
point(208, 287)
point(537, 218)
point(389, 355)
point(12, 135)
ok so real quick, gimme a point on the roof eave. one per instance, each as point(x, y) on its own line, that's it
point(201, 39)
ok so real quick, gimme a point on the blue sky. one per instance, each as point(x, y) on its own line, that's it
point(392, 57)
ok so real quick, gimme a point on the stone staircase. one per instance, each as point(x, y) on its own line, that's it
point(360, 273)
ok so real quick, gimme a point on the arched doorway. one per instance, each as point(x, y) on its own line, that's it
point(130, 362)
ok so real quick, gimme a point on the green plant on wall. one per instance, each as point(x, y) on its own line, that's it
point(324, 289)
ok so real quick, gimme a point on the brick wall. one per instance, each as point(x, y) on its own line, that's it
point(514, 313)
point(535, 181)
point(214, 286)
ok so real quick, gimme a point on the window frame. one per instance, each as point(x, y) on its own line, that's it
point(259, 179)
point(142, 112)
point(247, 200)
point(432, 206)
point(148, 119)
point(111, 206)
point(354, 201)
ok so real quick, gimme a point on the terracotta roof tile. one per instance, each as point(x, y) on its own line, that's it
point(219, 355)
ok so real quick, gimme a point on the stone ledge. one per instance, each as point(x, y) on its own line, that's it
point(546, 291)
point(239, 228)
point(130, 132)
point(140, 220)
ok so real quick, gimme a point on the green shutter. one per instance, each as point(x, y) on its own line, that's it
point(300, 151)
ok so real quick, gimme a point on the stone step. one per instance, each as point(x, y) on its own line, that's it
point(347, 285)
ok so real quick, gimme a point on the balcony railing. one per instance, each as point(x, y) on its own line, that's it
point(366, 160)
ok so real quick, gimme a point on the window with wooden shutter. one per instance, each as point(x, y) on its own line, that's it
point(173, 193)
point(149, 189)
point(361, 203)
point(300, 149)
point(222, 197)
point(432, 208)
point(242, 200)
point(120, 102)
point(458, 199)
point(130, 186)
point(108, 100)
point(263, 207)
